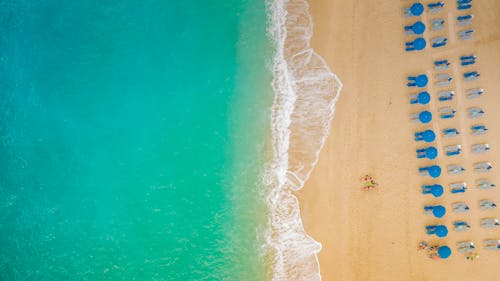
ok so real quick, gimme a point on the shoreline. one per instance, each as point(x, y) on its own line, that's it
point(305, 94)
point(374, 235)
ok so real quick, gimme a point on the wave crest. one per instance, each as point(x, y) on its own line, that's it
point(306, 92)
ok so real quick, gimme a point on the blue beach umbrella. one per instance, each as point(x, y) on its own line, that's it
point(441, 231)
point(425, 116)
point(444, 252)
point(437, 190)
point(428, 135)
point(424, 98)
point(421, 79)
point(418, 27)
point(419, 44)
point(434, 171)
point(438, 211)
point(431, 152)
point(417, 9)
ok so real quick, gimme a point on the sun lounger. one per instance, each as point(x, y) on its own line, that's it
point(489, 223)
point(465, 246)
point(487, 204)
point(458, 190)
point(445, 95)
point(458, 187)
point(474, 93)
point(466, 249)
point(465, 34)
point(460, 207)
point(438, 42)
point(471, 75)
point(441, 65)
point(462, 7)
point(467, 60)
point(475, 112)
point(452, 150)
point(450, 132)
point(455, 169)
point(492, 244)
point(443, 80)
point(437, 24)
point(447, 112)
point(465, 20)
point(460, 226)
point(435, 7)
point(478, 130)
point(484, 184)
point(480, 148)
point(482, 167)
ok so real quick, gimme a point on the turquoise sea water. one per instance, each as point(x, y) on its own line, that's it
point(132, 137)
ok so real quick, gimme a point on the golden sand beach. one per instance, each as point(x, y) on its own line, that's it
point(373, 235)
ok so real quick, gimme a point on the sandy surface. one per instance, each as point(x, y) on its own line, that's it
point(374, 235)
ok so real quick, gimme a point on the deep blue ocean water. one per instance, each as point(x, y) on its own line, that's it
point(132, 137)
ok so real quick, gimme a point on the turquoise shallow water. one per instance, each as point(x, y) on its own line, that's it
point(131, 139)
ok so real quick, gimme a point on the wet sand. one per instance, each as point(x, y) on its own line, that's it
point(373, 235)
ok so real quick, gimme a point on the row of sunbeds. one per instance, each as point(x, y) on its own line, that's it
point(468, 246)
point(437, 23)
point(444, 97)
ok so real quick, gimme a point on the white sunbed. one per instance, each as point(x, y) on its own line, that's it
point(480, 148)
point(489, 223)
point(460, 207)
point(484, 184)
point(486, 204)
point(465, 247)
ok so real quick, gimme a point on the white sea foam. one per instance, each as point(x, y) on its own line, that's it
point(306, 92)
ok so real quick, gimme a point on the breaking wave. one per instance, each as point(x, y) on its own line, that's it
point(306, 92)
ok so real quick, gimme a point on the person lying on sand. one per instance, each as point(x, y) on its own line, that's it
point(472, 257)
point(422, 245)
point(368, 182)
point(434, 256)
